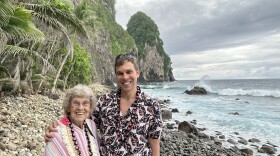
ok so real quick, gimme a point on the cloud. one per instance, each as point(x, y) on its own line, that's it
point(238, 62)
point(217, 25)
point(226, 39)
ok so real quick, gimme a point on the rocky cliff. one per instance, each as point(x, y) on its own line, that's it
point(152, 66)
point(103, 52)
point(101, 58)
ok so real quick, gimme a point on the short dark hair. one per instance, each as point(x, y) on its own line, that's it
point(125, 57)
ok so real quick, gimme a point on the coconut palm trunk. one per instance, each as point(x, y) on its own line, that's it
point(69, 52)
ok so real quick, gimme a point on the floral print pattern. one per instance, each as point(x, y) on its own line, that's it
point(127, 134)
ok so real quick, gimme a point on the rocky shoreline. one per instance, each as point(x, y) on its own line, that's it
point(24, 119)
point(184, 138)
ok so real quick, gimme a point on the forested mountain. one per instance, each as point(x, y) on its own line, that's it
point(52, 44)
point(154, 62)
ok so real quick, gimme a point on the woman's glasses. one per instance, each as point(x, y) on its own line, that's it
point(77, 103)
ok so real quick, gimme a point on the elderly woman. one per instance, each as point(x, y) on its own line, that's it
point(76, 134)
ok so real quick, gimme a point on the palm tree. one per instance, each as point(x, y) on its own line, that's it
point(62, 20)
point(16, 28)
point(15, 25)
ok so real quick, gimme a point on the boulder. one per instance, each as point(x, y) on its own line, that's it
point(196, 91)
point(234, 113)
point(188, 112)
point(232, 141)
point(175, 110)
point(268, 149)
point(243, 141)
point(247, 151)
point(166, 114)
point(188, 128)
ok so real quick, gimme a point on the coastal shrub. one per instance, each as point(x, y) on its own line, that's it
point(79, 69)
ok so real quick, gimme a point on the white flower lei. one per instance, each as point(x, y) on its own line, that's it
point(67, 140)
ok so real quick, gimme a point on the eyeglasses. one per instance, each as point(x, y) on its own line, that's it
point(125, 56)
point(77, 104)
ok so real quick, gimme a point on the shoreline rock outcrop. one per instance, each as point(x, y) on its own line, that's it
point(196, 91)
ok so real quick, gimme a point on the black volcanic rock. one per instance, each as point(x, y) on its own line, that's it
point(196, 91)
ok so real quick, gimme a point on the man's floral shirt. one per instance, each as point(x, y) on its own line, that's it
point(127, 134)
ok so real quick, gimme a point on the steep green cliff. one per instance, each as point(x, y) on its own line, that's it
point(156, 64)
point(48, 44)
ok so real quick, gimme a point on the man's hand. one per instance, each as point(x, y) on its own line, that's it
point(52, 128)
point(155, 146)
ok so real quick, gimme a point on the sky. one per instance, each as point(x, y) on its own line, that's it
point(223, 39)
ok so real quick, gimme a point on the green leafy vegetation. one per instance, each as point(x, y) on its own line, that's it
point(78, 70)
point(50, 44)
point(22, 48)
point(101, 18)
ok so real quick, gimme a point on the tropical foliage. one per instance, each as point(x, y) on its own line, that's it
point(102, 19)
point(78, 70)
point(46, 45)
point(26, 52)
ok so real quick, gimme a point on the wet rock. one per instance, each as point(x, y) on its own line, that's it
point(188, 112)
point(234, 113)
point(268, 149)
point(166, 101)
point(169, 126)
point(217, 141)
point(222, 137)
point(202, 135)
point(185, 127)
point(187, 144)
point(196, 91)
point(253, 140)
point(232, 141)
point(243, 141)
point(247, 151)
point(166, 114)
point(175, 110)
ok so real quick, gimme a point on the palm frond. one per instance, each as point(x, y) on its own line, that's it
point(51, 12)
point(84, 11)
point(14, 50)
point(50, 66)
point(6, 9)
point(5, 70)
point(19, 25)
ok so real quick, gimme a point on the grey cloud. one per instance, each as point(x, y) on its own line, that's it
point(220, 38)
point(230, 24)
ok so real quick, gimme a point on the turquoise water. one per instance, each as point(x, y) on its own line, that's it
point(258, 106)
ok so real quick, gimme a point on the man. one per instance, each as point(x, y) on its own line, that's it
point(129, 121)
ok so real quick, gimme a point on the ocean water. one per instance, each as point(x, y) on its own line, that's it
point(258, 106)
